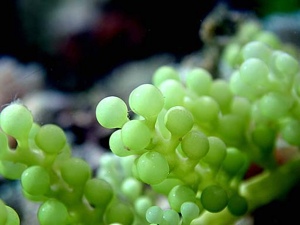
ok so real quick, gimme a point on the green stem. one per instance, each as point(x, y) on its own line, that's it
point(221, 218)
point(259, 190)
point(270, 185)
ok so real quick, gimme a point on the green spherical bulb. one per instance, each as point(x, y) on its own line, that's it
point(269, 38)
point(220, 91)
point(119, 213)
point(135, 135)
point(178, 120)
point(232, 54)
point(237, 205)
point(131, 188)
point(142, 204)
point(75, 171)
point(189, 211)
point(173, 92)
point(116, 144)
point(248, 30)
point(146, 100)
point(290, 131)
point(240, 88)
point(199, 81)
point(112, 112)
point(275, 105)
point(154, 215)
point(152, 167)
point(286, 64)
point(179, 195)
point(171, 216)
point(241, 107)
point(16, 120)
point(35, 180)
point(231, 128)
point(98, 192)
point(211, 106)
point(214, 198)
point(234, 161)
point(264, 137)
point(53, 212)
point(254, 72)
point(216, 153)
point(164, 73)
point(195, 145)
point(256, 49)
point(50, 138)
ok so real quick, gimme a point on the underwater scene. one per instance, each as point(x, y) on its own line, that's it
point(149, 112)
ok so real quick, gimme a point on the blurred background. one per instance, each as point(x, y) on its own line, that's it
point(80, 41)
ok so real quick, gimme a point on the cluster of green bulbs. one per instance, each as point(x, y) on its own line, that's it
point(189, 142)
point(195, 138)
point(50, 175)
